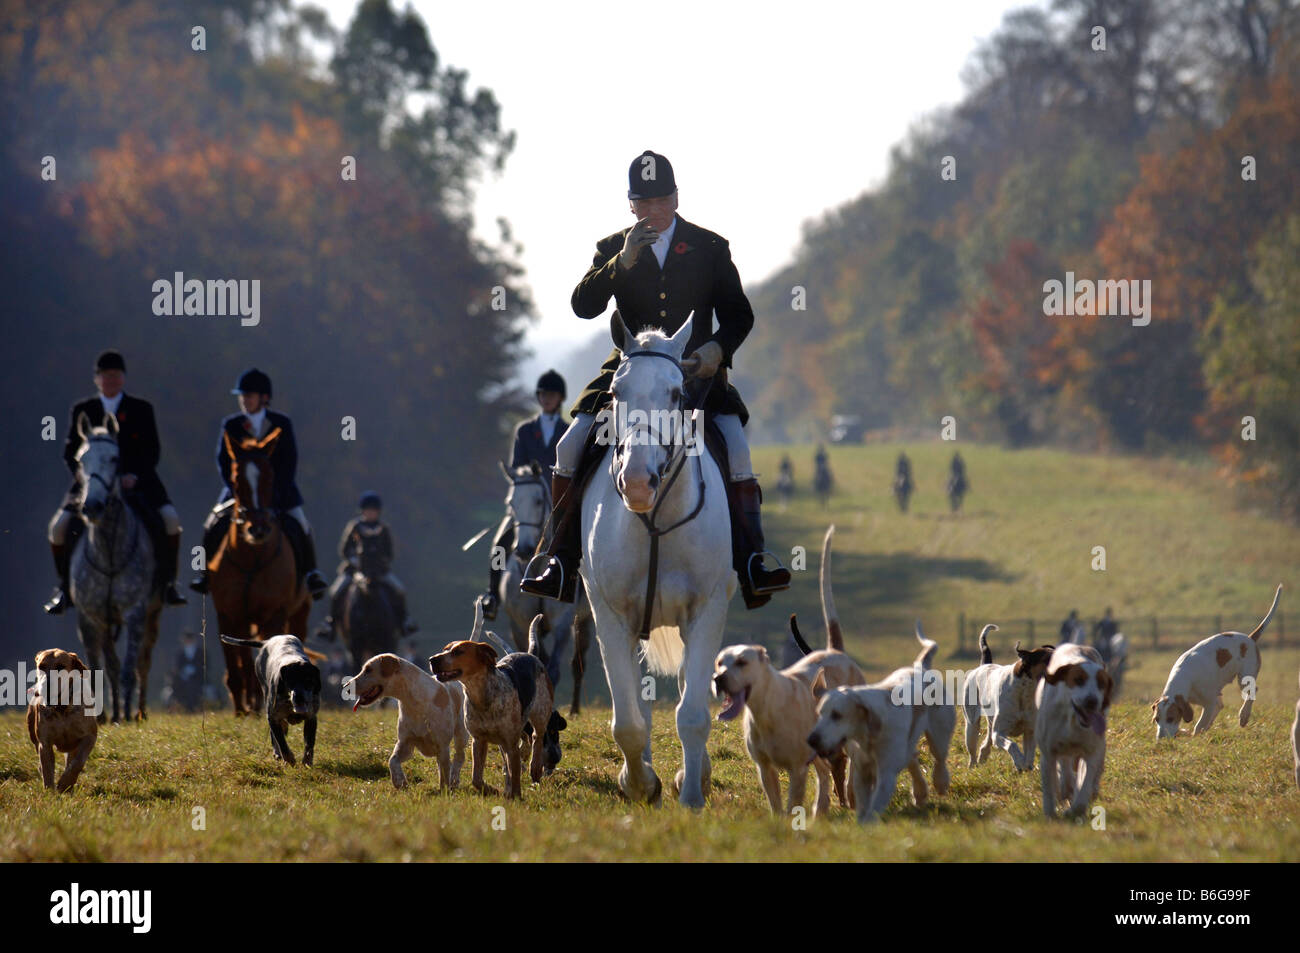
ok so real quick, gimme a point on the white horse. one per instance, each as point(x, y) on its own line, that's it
point(695, 579)
point(528, 502)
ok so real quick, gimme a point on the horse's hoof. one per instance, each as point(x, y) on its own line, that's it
point(657, 797)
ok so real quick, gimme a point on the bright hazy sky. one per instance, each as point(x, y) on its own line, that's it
point(770, 113)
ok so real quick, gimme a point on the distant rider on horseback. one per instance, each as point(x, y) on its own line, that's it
point(256, 420)
point(138, 454)
point(366, 527)
point(687, 268)
point(535, 439)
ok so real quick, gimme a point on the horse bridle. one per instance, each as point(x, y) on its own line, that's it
point(673, 466)
point(531, 480)
point(675, 455)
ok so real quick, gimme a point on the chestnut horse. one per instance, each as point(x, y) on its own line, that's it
point(253, 574)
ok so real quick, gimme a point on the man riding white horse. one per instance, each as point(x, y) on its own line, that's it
point(139, 448)
point(659, 271)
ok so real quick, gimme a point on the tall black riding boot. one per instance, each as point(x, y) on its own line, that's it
point(213, 530)
point(503, 541)
point(559, 579)
point(171, 561)
point(62, 598)
point(757, 582)
point(311, 575)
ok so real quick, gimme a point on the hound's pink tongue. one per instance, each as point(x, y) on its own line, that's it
point(1097, 722)
point(735, 705)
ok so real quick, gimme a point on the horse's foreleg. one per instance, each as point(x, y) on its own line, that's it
point(702, 637)
point(618, 649)
point(148, 640)
point(581, 639)
point(561, 642)
point(92, 642)
point(113, 670)
point(133, 624)
point(234, 676)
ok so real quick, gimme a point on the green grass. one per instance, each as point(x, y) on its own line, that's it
point(1020, 548)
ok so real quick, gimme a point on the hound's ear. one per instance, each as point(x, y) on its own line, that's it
point(505, 471)
point(1185, 707)
point(486, 653)
point(870, 719)
point(1061, 673)
point(1106, 684)
point(388, 666)
point(83, 425)
point(42, 655)
point(819, 686)
point(618, 331)
point(762, 654)
point(77, 663)
point(1156, 704)
point(1022, 652)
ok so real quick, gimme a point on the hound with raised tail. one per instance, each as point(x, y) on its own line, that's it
point(886, 721)
point(1200, 673)
point(827, 668)
point(1072, 700)
point(505, 702)
point(1004, 694)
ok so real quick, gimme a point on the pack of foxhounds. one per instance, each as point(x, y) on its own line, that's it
point(819, 713)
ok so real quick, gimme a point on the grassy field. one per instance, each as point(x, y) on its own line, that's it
point(1020, 548)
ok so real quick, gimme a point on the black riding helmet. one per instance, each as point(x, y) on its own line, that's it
point(253, 381)
point(551, 380)
point(370, 501)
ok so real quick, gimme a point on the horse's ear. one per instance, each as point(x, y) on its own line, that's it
point(683, 336)
point(267, 443)
point(83, 425)
point(618, 330)
point(111, 424)
point(505, 471)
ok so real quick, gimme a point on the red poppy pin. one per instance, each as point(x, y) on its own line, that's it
point(681, 248)
point(248, 425)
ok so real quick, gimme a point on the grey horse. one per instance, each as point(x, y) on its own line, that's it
point(528, 502)
point(112, 573)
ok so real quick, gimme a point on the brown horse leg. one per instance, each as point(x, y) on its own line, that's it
point(252, 687)
point(234, 673)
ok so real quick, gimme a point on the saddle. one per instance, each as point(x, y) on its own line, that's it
point(593, 453)
point(152, 523)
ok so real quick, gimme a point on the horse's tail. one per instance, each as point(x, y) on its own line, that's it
point(665, 650)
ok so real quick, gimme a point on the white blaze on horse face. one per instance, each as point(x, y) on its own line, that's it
point(251, 475)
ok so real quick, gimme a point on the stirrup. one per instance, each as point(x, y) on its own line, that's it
point(568, 591)
point(749, 571)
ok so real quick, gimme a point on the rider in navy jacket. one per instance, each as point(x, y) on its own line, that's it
point(257, 420)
